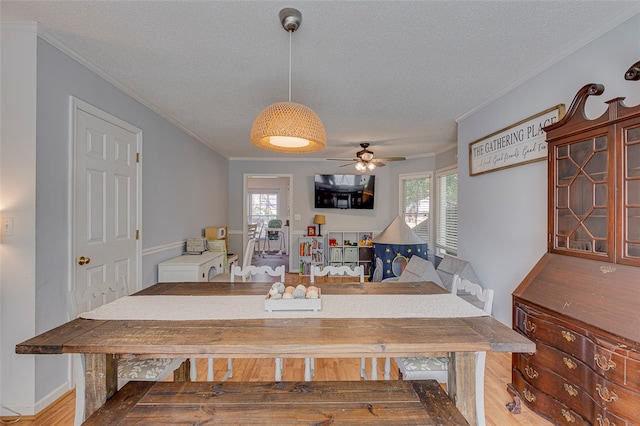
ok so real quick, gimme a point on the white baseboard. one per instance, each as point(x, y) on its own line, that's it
point(38, 406)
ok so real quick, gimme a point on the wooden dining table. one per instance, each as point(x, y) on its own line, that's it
point(104, 341)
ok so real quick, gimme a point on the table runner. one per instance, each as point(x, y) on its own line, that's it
point(184, 308)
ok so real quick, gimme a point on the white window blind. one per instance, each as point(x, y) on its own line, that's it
point(415, 197)
point(447, 212)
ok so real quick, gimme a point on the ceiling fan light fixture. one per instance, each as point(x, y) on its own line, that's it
point(289, 126)
point(367, 156)
point(371, 167)
point(360, 166)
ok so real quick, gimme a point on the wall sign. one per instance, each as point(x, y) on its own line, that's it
point(520, 143)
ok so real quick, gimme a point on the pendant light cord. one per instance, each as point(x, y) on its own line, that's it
point(290, 32)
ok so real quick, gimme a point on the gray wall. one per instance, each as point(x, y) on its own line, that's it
point(18, 79)
point(502, 215)
point(184, 187)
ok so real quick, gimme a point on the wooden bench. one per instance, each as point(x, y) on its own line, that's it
point(278, 403)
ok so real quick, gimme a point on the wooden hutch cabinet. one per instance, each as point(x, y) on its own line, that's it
point(580, 304)
point(594, 182)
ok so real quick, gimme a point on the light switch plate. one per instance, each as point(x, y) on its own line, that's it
point(297, 217)
point(7, 226)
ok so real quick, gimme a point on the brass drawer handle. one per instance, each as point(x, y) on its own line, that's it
point(604, 363)
point(569, 337)
point(530, 327)
point(568, 416)
point(603, 421)
point(528, 395)
point(571, 364)
point(605, 394)
point(570, 389)
point(531, 373)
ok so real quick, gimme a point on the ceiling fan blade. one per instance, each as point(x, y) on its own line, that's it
point(390, 159)
point(366, 156)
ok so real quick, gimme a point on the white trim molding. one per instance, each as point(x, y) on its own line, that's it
point(164, 247)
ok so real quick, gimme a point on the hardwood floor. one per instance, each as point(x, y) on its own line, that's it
point(496, 395)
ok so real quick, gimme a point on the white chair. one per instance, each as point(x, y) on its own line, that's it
point(246, 261)
point(153, 369)
point(424, 368)
point(251, 272)
point(254, 232)
point(334, 271)
point(357, 271)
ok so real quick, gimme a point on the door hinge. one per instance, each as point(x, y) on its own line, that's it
point(137, 234)
point(137, 157)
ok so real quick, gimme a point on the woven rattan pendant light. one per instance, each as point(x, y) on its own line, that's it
point(289, 126)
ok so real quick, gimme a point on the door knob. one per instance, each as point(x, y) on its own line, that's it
point(83, 260)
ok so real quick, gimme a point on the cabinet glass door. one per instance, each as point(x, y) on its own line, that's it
point(631, 208)
point(581, 195)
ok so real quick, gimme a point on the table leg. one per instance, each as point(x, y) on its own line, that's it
point(462, 383)
point(278, 376)
point(374, 368)
point(101, 380)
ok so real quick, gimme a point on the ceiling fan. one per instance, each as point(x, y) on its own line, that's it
point(366, 160)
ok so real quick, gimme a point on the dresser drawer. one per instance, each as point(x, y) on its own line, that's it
point(557, 361)
point(550, 383)
point(611, 360)
point(544, 404)
point(539, 327)
point(604, 418)
point(576, 385)
point(616, 399)
point(616, 363)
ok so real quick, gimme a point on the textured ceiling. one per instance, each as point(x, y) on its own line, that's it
point(394, 73)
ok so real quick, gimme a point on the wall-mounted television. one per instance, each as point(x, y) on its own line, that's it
point(344, 191)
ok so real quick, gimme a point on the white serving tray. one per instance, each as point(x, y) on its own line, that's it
point(293, 304)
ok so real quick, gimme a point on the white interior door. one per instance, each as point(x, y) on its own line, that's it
point(105, 199)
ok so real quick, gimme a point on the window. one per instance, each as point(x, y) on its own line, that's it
point(447, 212)
point(415, 200)
point(263, 206)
